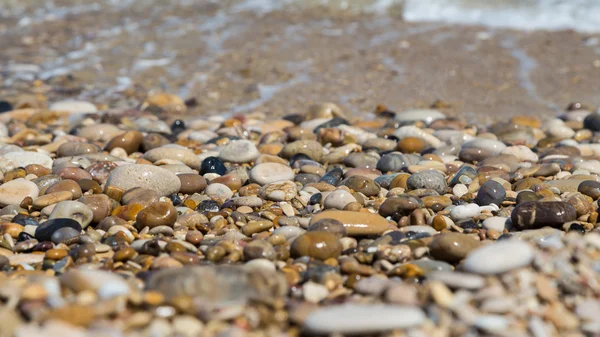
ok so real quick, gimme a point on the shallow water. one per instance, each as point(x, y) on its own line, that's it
point(242, 56)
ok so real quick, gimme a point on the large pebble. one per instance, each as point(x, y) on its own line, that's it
point(103, 283)
point(73, 106)
point(357, 319)
point(356, 223)
point(14, 191)
point(73, 210)
point(239, 151)
point(24, 158)
point(219, 284)
point(146, 176)
point(266, 173)
point(499, 257)
point(181, 154)
point(538, 214)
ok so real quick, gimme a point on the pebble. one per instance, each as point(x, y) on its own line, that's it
point(338, 199)
point(537, 214)
point(14, 191)
point(496, 223)
point(104, 284)
point(239, 151)
point(362, 184)
point(452, 247)
point(22, 159)
point(353, 319)
point(278, 191)
point(428, 179)
point(151, 177)
point(463, 212)
point(356, 223)
point(180, 154)
point(160, 213)
point(267, 173)
point(73, 210)
point(45, 230)
point(218, 191)
point(310, 148)
point(458, 280)
point(74, 106)
point(490, 192)
point(191, 183)
point(499, 257)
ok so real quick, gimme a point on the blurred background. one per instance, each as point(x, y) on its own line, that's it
point(478, 59)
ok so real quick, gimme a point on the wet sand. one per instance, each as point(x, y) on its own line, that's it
point(232, 60)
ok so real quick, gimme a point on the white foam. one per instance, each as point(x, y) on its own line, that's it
point(581, 15)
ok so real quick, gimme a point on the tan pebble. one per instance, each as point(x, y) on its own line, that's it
point(356, 223)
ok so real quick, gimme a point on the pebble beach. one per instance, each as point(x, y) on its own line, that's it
point(149, 210)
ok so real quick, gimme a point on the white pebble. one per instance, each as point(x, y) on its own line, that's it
point(499, 257)
point(460, 189)
point(362, 318)
point(496, 223)
point(462, 212)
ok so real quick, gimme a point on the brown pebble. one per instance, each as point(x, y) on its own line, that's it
point(65, 185)
point(319, 245)
point(138, 195)
point(411, 145)
point(191, 183)
point(38, 170)
point(160, 213)
point(129, 141)
point(452, 247)
point(73, 173)
point(89, 185)
point(55, 254)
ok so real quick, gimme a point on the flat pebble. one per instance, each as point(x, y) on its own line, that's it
point(356, 223)
point(355, 319)
point(267, 173)
point(146, 176)
point(499, 257)
point(14, 191)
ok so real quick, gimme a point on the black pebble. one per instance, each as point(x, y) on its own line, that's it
point(577, 228)
point(178, 126)
point(212, 165)
point(24, 220)
point(5, 106)
point(333, 177)
point(208, 206)
point(315, 198)
point(44, 231)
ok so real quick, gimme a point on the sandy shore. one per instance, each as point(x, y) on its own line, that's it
point(236, 61)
